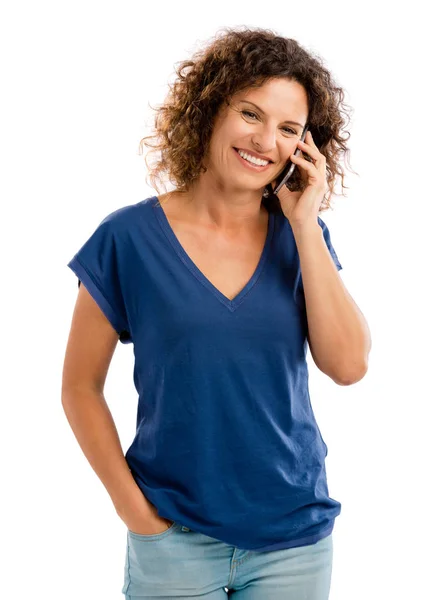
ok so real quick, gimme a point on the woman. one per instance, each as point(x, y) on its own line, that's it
point(219, 284)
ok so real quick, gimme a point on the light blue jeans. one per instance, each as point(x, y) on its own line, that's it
point(180, 563)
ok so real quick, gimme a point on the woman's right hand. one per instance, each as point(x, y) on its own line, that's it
point(152, 526)
point(140, 515)
point(145, 522)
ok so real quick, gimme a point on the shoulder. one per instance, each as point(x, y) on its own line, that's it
point(124, 218)
point(121, 216)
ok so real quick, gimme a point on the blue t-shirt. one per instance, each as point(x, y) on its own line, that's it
point(226, 440)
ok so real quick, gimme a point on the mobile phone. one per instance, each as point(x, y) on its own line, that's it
point(289, 169)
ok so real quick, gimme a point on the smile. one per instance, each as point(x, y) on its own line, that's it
point(250, 165)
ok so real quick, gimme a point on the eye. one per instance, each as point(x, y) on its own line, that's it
point(248, 112)
point(292, 130)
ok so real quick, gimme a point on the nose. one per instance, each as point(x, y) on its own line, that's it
point(265, 141)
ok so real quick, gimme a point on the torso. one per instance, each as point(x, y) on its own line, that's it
point(228, 264)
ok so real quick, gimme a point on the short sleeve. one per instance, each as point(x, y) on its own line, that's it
point(98, 265)
point(327, 237)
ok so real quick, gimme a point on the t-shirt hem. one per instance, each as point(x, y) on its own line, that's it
point(305, 541)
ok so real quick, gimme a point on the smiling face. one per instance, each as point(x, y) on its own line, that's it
point(272, 129)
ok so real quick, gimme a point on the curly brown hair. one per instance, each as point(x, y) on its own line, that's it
point(231, 62)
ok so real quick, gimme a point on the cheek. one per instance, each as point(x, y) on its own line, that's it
point(238, 130)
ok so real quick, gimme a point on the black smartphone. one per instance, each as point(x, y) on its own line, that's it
point(289, 169)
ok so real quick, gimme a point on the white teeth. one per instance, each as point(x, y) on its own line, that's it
point(255, 161)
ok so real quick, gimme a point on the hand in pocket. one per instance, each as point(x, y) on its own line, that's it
point(143, 519)
point(153, 526)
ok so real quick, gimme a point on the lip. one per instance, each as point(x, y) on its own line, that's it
point(245, 163)
point(255, 154)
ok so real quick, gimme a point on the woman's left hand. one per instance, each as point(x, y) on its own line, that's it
point(302, 208)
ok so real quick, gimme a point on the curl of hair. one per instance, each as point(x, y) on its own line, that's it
point(236, 60)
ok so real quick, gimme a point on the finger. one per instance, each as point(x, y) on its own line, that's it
point(313, 151)
point(308, 158)
point(306, 164)
point(310, 139)
point(309, 166)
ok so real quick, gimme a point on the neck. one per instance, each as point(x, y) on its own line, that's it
point(228, 215)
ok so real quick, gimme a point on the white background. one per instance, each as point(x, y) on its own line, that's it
point(76, 81)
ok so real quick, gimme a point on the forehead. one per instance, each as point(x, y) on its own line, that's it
point(279, 89)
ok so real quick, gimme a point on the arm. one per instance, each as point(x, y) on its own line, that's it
point(339, 337)
point(93, 426)
point(90, 347)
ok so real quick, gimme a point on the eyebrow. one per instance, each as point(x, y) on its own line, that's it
point(260, 109)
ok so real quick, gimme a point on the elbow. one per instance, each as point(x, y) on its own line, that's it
point(350, 376)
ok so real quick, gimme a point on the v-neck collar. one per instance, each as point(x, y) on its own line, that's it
point(232, 305)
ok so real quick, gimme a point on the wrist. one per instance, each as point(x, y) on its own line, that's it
point(132, 502)
point(306, 229)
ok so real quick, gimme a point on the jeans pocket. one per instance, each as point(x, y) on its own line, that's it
point(153, 536)
point(144, 562)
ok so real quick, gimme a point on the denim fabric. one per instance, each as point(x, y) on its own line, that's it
point(180, 563)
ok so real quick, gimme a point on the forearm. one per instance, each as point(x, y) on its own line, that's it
point(94, 428)
point(338, 331)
